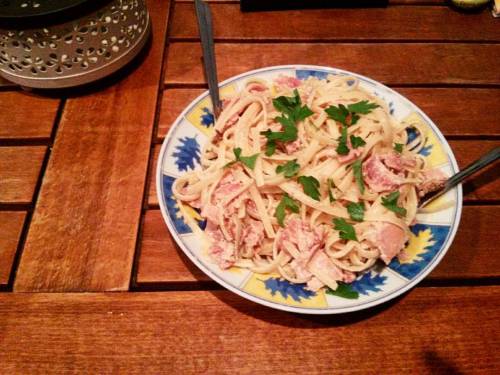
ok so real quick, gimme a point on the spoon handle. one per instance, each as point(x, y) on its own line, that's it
point(207, 43)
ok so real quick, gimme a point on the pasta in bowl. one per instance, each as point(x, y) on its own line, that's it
point(304, 195)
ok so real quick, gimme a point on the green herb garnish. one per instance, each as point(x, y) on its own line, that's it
point(310, 186)
point(391, 203)
point(358, 175)
point(398, 147)
point(330, 188)
point(357, 141)
point(249, 161)
point(289, 169)
point(286, 203)
point(292, 111)
point(346, 230)
point(343, 290)
point(356, 211)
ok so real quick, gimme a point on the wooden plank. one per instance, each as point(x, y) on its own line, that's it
point(83, 232)
point(26, 116)
point(390, 63)
point(161, 260)
point(11, 225)
point(472, 254)
point(19, 170)
point(392, 23)
point(429, 330)
point(485, 185)
point(438, 103)
point(173, 103)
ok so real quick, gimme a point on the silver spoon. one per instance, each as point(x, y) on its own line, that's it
point(207, 43)
point(457, 178)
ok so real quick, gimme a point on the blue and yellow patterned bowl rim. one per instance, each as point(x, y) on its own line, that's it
point(431, 236)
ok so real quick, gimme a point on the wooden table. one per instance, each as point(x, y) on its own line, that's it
point(91, 280)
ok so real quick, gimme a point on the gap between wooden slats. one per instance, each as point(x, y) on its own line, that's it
point(390, 63)
point(361, 24)
point(11, 225)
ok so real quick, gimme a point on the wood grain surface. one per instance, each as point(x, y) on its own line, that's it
point(440, 104)
point(11, 225)
point(472, 254)
point(19, 170)
point(392, 23)
point(389, 63)
point(26, 116)
point(83, 232)
point(429, 330)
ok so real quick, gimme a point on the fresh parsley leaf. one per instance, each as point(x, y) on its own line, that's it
point(391, 203)
point(342, 148)
point(354, 118)
point(356, 211)
point(357, 141)
point(349, 115)
point(362, 107)
point(358, 174)
point(310, 186)
point(288, 134)
point(249, 161)
point(289, 169)
point(292, 112)
point(270, 148)
point(301, 113)
point(339, 113)
point(343, 290)
point(291, 106)
point(285, 104)
point(286, 203)
point(330, 188)
point(398, 147)
point(346, 230)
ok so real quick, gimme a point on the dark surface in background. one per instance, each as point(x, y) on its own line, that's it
point(256, 5)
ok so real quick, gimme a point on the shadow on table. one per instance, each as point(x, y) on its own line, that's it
point(439, 365)
point(295, 320)
point(481, 179)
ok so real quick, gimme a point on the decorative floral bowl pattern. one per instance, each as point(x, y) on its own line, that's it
point(430, 239)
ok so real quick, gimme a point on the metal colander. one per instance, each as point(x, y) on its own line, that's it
point(78, 51)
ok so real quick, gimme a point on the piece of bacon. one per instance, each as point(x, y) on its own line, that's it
point(378, 176)
point(253, 233)
point(388, 238)
point(221, 251)
point(433, 180)
point(288, 81)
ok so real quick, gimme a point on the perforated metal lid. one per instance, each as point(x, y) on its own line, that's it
point(78, 51)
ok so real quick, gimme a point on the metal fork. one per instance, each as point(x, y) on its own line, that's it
point(207, 43)
point(457, 178)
